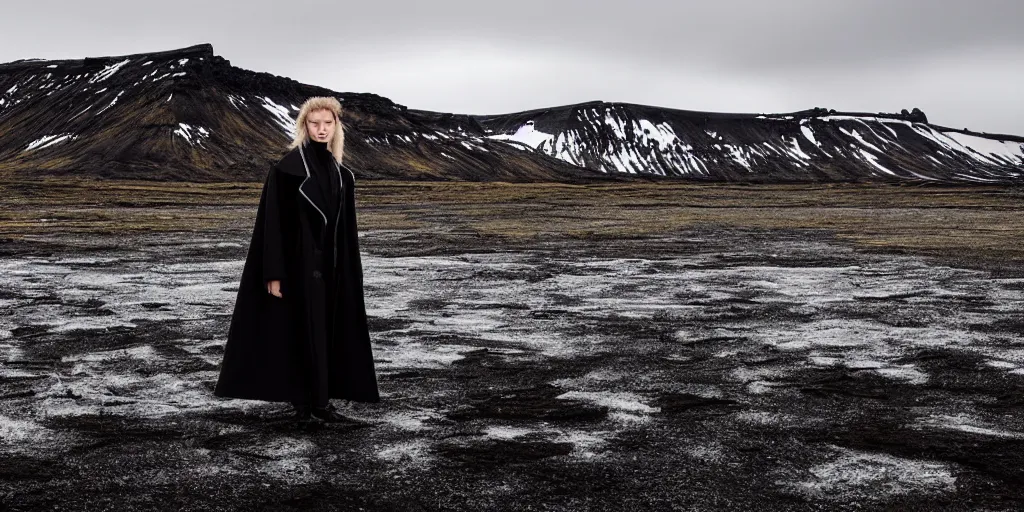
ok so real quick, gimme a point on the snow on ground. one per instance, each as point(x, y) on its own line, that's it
point(858, 314)
point(409, 454)
point(624, 406)
point(857, 476)
point(128, 292)
point(965, 423)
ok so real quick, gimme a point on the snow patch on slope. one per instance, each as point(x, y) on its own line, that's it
point(809, 134)
point(192, 134)
point(112, 103)
point(873, 160)
point(108, 71)
point(662, 133)
point(526, 134)
point(236, 101)
point(1012, 152)
point(49, 140)
point(796, 151)
point(856, 135)
point(281, 115)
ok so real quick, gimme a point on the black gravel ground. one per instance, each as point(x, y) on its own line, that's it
point(710, 368)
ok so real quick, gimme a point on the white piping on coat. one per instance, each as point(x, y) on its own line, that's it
point(341, 184)
point(306, 166)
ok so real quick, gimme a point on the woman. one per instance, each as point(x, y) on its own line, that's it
point(298, 333)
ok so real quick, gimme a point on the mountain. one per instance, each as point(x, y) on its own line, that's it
point(188, 114)
point(812, 145)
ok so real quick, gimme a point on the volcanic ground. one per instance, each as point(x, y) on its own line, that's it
point(538, 347)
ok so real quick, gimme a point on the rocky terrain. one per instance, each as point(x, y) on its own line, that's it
point(692, 347)
point(189, 115)
point(589, 307)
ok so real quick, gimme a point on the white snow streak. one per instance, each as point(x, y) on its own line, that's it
point(855, 134)
point(108, 71)
point(192, 134)
point(874, 161)
point(526, 134)
point(112, 103)
point(809, 134)
point(737, 154)
point(796, 149)
point(49, 140)
point(281, 116)
point(1012, 152)
point(236, 101)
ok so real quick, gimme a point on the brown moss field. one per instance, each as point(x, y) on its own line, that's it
point(958, 222)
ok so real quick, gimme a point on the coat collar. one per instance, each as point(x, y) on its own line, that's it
point(292, 163)
point(296, 163)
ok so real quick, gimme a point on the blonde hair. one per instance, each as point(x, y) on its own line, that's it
point(337, 143)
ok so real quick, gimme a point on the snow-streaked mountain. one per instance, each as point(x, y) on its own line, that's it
point(190, 115)
point(814, 145)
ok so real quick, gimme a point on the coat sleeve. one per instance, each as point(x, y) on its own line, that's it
point(273, 243)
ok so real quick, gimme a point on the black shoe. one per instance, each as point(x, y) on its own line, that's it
point(329, 414)
point(303, 416)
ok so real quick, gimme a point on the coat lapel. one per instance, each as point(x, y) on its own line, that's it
point(310, 190)
point(342, 166)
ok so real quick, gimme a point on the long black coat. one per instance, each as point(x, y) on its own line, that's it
point(278, 348)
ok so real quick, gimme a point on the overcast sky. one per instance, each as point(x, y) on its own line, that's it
point(962, 62)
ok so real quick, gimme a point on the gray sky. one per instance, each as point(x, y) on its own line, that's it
point(962, 62)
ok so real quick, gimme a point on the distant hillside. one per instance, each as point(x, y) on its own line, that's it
point(188, 114)
point(813, 145)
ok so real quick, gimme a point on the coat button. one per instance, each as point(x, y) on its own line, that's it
point(317, 274)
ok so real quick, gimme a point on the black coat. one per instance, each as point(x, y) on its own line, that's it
point(282, 349)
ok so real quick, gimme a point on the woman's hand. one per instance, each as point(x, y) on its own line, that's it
point(274, 288)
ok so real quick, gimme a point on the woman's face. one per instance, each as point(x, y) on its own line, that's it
point(320, 125)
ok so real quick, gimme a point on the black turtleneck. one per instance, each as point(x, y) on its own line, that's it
point(326, 176)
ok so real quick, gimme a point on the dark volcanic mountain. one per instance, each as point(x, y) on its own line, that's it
point(812, 145)
point(190, 115)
